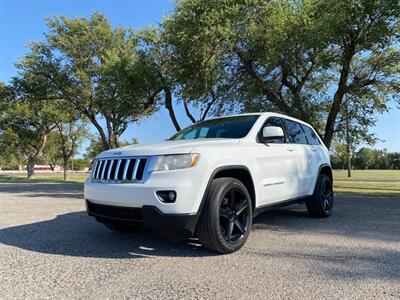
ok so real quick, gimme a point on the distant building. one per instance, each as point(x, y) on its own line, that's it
point(55, 168)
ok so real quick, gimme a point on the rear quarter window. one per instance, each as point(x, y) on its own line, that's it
point(310, 134)
point(295, 132)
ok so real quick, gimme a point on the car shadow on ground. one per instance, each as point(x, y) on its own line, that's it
point(75, 234)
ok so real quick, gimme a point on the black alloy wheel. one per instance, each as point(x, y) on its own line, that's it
point(327, 197)
point(227, 215)
point(320, 204)
point(234, 215)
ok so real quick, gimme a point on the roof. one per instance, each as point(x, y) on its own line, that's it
point(263, 114)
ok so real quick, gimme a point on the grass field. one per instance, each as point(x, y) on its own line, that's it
point(362, 182)
point(367, 182)
point(384, 175)
point(46, 177)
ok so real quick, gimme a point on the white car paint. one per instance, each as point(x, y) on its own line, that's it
point(279, 171)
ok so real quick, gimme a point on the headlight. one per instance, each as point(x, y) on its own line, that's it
point(176, 161)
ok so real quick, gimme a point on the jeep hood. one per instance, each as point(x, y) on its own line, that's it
point(166, 147)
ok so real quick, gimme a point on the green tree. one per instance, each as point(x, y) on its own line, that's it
point(302, 58)
point(357, 116)
point(365, 158)
point(95, 147)
point(10, 155)
point(81, 163)
point(86, 63)
point(394, 160)
point(161, 70)
point(71, 133)
point(28, 125)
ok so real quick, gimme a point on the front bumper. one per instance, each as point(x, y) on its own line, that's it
point(189, 185)
point(150, 216)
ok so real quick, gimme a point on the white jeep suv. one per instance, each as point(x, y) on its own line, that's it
point(212, 178)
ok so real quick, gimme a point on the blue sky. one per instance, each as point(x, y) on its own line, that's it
point(22, 21)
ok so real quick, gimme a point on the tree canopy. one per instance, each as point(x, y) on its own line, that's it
point(88, 64)
point(296, 57)
point(334, 64)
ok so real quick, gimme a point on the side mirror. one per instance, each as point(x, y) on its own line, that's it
point(272, 133)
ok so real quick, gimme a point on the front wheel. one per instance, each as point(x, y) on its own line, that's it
point(320, 204)
point(226, 219)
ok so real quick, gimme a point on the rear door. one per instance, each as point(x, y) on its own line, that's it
point(315, 155)
point(301, 171)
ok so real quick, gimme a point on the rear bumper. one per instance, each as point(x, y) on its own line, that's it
point(150, 216)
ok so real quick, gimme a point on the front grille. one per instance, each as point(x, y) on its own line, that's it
point(125, 170)
point(115, 212)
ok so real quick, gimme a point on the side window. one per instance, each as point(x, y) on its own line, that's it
point(275, 121)
point(295, 132)
point(310, 134)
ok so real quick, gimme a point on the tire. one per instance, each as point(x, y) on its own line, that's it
point(320, 204)
point(226, 218)
point(122, 228)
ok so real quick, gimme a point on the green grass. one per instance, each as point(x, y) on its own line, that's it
point(367, 182)
point(376, 175)
point(362, 182)
point(58, 177)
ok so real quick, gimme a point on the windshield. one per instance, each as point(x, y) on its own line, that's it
point(227, 128)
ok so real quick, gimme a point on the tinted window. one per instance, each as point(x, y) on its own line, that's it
point(229, 128)
point(295, 132)
point(310, 134)
point(274, 121)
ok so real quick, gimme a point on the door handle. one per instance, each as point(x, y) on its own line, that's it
point(290, 149)
point(313, 149)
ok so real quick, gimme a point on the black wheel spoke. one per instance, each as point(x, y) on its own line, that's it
point(229, 231)
point(232, 198)
point(329, 194)
point(327, 205)
point(241, 207)
point(239, 226)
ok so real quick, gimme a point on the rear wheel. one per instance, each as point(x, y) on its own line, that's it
point(226, 219)
point(122, 228)
point(320, 203)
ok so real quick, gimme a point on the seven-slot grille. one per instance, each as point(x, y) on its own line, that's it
point(124, 170)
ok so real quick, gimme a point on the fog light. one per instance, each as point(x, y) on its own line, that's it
point(166, 196)
point(172, 196)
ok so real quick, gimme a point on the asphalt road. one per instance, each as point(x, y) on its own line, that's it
point(50, 248)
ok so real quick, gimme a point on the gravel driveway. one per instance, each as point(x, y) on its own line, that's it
point(50, 248)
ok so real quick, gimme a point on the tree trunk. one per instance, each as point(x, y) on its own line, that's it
point(338, 97)
point(348, 166)
point(65, 166)
point(188, 113)
point(66, 173)
point(100, 130)
point(30, 168)
point(117, 142)
point(348, 141)
point(170, 108)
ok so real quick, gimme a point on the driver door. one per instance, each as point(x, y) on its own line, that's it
point(274, 167)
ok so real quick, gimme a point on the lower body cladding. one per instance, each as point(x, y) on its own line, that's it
point(149, 216)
